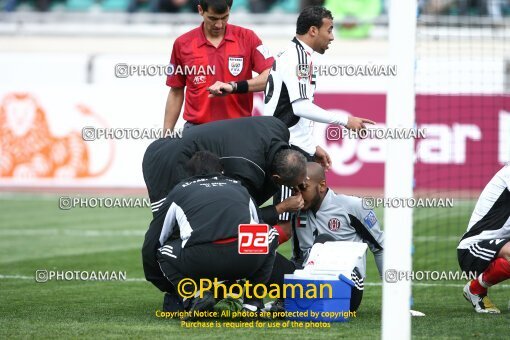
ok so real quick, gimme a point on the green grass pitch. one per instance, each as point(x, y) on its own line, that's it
point(35, 234)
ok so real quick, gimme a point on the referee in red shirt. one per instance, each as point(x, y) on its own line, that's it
point(234, 52)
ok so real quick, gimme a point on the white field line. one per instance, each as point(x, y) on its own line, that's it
point(417, 284)
point(52, 196)
point(32, 278)
point(433, 238)
point(66, 232)
point(424, 284)
point(98, 233)
point(7, 196)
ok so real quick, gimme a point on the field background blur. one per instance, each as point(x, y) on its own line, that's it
point(57, 71)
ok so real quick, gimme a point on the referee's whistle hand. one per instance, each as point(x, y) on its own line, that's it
point(219, 89)
point(356, 123)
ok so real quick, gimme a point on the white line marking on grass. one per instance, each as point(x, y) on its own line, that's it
point(137, 279)
point(32, 278)
point(49, 196)
point(7, 196)
point(67, 232)
point(17, 277)
point(423, 284)
point(436, 238)
point(97, 233)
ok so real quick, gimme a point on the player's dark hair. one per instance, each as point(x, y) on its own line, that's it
point(203, 163)
point(311, 16)
point(218, 6)
point(288, 164)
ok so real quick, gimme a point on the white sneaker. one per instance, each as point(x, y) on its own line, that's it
point(482, 303)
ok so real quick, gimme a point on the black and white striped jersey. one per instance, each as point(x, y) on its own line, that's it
point(291, 79)
point(491, 217)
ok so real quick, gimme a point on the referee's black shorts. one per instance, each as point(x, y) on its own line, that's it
point(477, 257)
point(216, 261)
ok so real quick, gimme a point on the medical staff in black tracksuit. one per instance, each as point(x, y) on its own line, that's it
point(246, 147)
point(197, 227)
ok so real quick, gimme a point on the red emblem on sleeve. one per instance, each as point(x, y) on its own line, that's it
point(334, 224)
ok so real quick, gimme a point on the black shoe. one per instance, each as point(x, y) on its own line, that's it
point(278, 307)
point(172, 303)
point(204, 304)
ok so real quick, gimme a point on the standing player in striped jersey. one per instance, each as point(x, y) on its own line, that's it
point(485, 247)
point(291, 86)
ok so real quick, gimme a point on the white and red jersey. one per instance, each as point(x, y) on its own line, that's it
point(491, 217)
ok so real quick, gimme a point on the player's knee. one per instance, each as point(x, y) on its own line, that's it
point(505, 252)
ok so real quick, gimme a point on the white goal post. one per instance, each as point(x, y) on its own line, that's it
point(399, 169)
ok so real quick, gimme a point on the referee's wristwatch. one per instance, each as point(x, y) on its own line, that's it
point(234, 86)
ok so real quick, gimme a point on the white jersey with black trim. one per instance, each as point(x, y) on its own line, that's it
point(291, 79)
point(491, 217)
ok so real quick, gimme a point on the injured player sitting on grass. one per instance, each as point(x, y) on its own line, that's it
point(329, 217)
point(198, 240)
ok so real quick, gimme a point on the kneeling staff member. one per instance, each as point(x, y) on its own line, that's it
point(199, 228)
